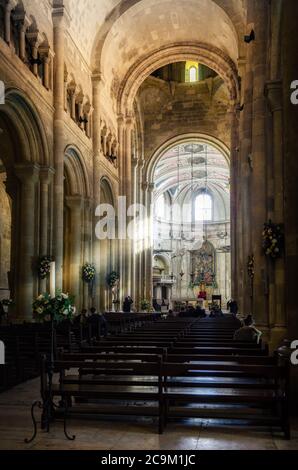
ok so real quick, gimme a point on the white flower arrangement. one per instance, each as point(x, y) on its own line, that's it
point(57, 308)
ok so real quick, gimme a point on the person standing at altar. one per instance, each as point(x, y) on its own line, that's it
point(127, 304)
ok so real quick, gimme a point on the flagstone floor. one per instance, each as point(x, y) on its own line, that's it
point(107, 434)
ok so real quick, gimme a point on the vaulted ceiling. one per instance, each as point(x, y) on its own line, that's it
point(192, 166)
point(120, 31)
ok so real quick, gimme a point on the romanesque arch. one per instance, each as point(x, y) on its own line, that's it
point(25, 162)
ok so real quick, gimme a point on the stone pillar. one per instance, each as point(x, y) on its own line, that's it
point(75, 204)
point(10, 5)
point(245, 170)
point(46, 177)
point(22, 23)
point(149, 189)
point(259, 176)
point(134, 274)
point(28, 176)
point(127, 191)
point(277, 310)
point(60, 21)
point(233, 121)
point(96, 83)
point(87, 247)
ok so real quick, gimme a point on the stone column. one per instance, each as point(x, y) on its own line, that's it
point(75, 204)
point(134, 275)
point(233, 121)
point(259, 188)
point(87, 246)
point(60, 22)
point(274, 94)
point(127, 191)
point(96, 84)
point(149, 240)
point(46, 177)
point(244, 246)
point(120, 247)
point(28, 176)
point(23, 24)
point(10, 5)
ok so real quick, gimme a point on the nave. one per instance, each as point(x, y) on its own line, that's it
point(164, 383)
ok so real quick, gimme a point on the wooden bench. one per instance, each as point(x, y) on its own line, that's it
point(260, 397)
point(104, 386)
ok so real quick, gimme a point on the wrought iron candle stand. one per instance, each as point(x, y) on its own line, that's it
point(47, 404)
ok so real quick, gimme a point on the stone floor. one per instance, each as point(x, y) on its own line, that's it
point(103, 434)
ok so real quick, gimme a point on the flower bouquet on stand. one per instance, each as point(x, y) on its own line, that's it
point(145, 306)
point(54, 310)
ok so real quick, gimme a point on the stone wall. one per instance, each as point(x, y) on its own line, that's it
point(170, 109)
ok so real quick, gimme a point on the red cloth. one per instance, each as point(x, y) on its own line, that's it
point(202, 295)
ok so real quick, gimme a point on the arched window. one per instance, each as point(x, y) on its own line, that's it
point(161, 207)
point(193, 74)
point(203, 207)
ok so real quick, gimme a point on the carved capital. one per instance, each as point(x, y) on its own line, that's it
point(27, 173)
point(46, 174)
point(60, 14)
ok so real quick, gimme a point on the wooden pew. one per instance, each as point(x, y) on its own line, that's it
point(253, 400)
point(107, 396)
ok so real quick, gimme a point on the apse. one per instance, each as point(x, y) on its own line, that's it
point(192, 222)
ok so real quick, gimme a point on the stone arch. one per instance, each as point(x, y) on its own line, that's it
point(77, 216)
point(203, 53)
point(107, 249)
point(20, 114)
point(77, 182)
point(234, 9)
point(107, 191)
point(152, 162)
point(24, 152)
point(165, 261)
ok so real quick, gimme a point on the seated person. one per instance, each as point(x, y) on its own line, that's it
point(200, 312)
point(216, 311)
point(81, 318)
point(190, 311)
point(233, 307)
point(248, 332)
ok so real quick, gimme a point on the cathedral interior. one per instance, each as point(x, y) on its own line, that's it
point(182, 108)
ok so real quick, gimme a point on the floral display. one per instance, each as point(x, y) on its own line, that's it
point(59, 308)
point(6, 302)
point(113, 279)
point(273, 240)
point(44, 267)
point(88, 272)
point(145, 305)
point(251, 266)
